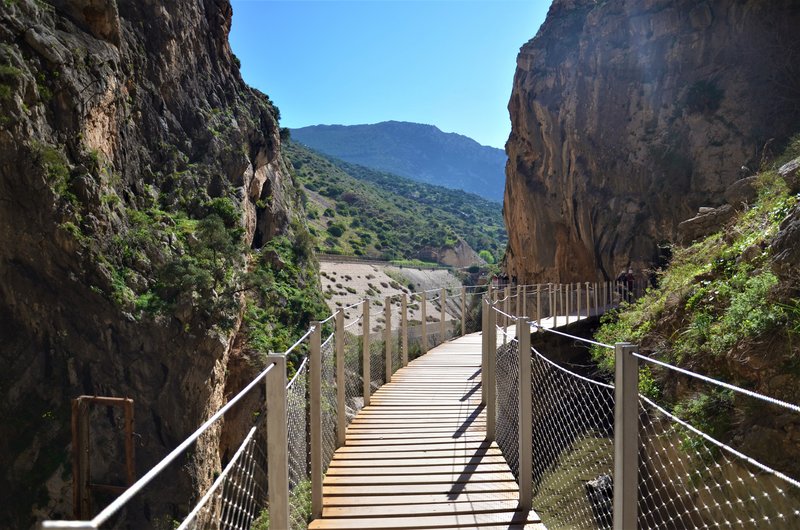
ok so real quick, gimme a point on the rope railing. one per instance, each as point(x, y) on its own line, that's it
point(594, 455)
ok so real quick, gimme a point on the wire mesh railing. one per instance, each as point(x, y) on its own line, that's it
point(352, 348)
point(237, 496)
point(579, 467)
point(507, 403)
point(572, 447)
point(329, 400)
point(298, 433)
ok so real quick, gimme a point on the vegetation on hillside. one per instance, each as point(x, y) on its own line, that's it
point(721, 309)
point(422, 153)
point(354, 210)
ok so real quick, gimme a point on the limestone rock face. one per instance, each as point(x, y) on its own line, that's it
point(112, 114)
point(628, 115)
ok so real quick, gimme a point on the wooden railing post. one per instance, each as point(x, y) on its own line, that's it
point(404, 328)
point(538, 305)
point(578, 299)
point(484, 345)
point(596, 299)
point(463, 311)
point(315, 394)
point(338, 340)
point(567, 296)
point(588, 301)
point(278, 443)
point(387, 337)
point(506, 309)
point(525, 416)
point(443, 318)
point(626, 436)
point(524, 299)
point(366, 369)
point(424, 338)
point(518, 306)
point(550, 300)
point(490, 376)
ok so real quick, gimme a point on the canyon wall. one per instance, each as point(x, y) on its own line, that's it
point(629, 115)
point(139, 180)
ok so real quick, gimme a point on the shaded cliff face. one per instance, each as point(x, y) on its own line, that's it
point(628, 115)
point(136, 172)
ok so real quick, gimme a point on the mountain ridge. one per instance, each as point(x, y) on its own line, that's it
point(421, 152)
point(355, 210)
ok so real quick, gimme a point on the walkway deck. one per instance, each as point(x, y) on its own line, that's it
point(417, 456)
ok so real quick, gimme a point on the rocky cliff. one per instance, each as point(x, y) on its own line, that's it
point(143, 204)
point(628, 115)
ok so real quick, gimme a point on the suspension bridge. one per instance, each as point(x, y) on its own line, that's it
point(437, 412)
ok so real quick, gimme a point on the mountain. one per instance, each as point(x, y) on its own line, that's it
point(354, 210)
point(629, 115)
point(419, 152)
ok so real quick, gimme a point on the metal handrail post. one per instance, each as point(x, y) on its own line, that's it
point(366, 369)
point(626, 436)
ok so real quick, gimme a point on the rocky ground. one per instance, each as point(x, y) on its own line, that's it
point(345, 284)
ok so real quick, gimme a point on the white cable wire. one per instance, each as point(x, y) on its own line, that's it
point(297, 373)
point(537, 326)
point(185, 524)
point(721, 445)
point(750, 393)
point(573, 374)
point(299, 341)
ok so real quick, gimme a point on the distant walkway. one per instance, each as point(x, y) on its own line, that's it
point(417, 457)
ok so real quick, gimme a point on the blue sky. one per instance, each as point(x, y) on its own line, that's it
point(448, 63)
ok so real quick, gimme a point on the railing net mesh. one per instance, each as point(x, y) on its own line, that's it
point(688, 481)
point(507, 399)
point(353, 368)
point(237, 497)
point(377, 362)
point(573, 454)
point(328, 400)
point(299, 450)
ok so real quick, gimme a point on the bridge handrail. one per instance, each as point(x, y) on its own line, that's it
point(640, 429)
point(458, 315)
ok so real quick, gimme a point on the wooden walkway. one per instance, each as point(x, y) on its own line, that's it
point(417, 456)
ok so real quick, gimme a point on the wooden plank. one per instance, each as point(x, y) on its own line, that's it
point(423, 498)
point(413, 489)
point(414, 510)
point(430, 461)
point(427, 469)
point(427, 521)
point(440, 478)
